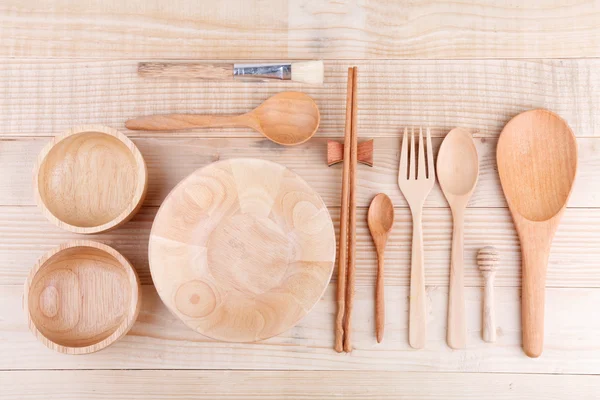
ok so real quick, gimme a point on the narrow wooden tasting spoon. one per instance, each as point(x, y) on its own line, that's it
point(537, 163)
point(287, 118)
point(457, 170)
point(380, 220)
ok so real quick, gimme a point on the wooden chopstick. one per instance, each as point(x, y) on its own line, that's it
point(343, 246)
point(352, 231)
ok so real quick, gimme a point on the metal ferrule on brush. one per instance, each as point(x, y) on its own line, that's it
point(269, 71)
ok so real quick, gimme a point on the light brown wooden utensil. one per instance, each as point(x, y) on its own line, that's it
point(81, 297)
point(381, 220)
point(537, 163)
point(287, 118)
point(347, 245)
point(487, 260)
point(415, 184)
point(241, 250)
point(90, 179)
point(457, 170)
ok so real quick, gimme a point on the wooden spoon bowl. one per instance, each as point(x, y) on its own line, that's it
point(90, 179)
point(81, 297)
point(537, 163)
point(287, 118)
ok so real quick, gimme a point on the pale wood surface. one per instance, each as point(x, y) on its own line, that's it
point(487, 261)
point(415, 185)
point(293, 385)
point(81, 297)
point(432, 63)
point(537, 164)
point(300, 29)
point(286, 118)
point(458, 171)
point(242, 249)
point(90, 179)
point(160, 340)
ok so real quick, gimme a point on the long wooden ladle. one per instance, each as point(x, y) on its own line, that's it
point(287, 118)
point(537, 163)
point(457, 170)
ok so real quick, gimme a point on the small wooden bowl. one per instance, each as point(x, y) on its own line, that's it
point(90, 179)
point(81, 297)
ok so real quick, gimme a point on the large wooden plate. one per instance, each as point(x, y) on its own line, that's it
point(242, 249)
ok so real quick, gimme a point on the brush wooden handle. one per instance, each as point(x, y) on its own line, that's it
point(217, 72)
point(417, 314)
point(457, 325)
point(171, 122)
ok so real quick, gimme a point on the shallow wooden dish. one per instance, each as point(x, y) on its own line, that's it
point(242, 249)
point(81, 297)
point(90, 179)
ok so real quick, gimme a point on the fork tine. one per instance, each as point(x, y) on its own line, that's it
point(402, 173)
point(430, 166)
point(412, 163)
point(421, 170)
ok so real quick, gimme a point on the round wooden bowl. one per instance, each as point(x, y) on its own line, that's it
point(90, 179)
point(81, 297)
point(241, 250)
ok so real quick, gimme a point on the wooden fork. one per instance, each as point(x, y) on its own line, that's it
point(415, 184)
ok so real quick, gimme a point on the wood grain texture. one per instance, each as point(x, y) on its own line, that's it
point(415, 185)
point(573, 261)
point(487, 261)
point(380, 219)
point(286, 118)
point(43, 98)
point(457, 169)
point(291, 385)
point(300, 29)
point(241, 250)
point(169, 160)
point(81, 297)
point(90, 179)
point(537, 164)
point(159, 340)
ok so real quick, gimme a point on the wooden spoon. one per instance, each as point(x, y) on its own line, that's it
point(537, 163)
point(457, 169)
point(381, 220)
point(287, 118)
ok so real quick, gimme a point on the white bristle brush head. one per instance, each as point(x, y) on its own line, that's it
point(487, 259)
point(310, 72)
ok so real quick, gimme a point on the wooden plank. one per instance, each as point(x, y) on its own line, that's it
point(40, 97)
point(300, 29)
point(170, 160)
point(26, 236)
point(159, 340)
point(291, 385)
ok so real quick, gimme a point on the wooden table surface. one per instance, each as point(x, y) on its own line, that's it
point(442, 64)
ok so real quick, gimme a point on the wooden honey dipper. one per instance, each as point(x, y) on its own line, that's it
point(487, 260)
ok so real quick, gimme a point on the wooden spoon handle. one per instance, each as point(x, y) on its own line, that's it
point(457, 326)
point(535, 260)
point(417, 314)
point(170, 122)
point(379, 298)
point(489, 323)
